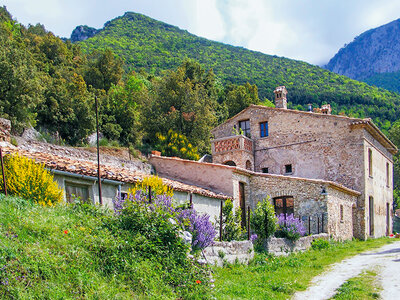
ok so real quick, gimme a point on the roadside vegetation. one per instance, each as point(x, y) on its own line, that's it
point(362, 287)
point(271, 277)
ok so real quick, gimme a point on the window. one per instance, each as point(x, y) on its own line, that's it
point(284, 205)
point(248, 165)
point(230, 163)
point(263, 129)
point(124, 195)
point(387, 175)
point(341, 213)
point(245, 126)
point(264, 170)
point(288, 169)
point(370, 162)
point(76, 191)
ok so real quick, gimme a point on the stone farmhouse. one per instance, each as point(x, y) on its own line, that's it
point(335, 168)
point(334, 172)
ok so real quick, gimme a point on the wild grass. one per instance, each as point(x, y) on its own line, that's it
point(72, 252)
point(362, 287)
point(271, 277)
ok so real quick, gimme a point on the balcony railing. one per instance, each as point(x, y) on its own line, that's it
point(232, 143)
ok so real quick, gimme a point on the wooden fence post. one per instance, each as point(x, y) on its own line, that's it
point(2, 170)
point(248, 222)
point(149, 194)
point(220, 221)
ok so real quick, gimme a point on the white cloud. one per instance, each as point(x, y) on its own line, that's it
point(310, 30)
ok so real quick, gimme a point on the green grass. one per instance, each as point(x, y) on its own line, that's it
point(362, 287)
point(72, 252)
point(270, 277)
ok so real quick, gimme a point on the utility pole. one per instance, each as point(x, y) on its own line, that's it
point(2, 169)
point(98, 153)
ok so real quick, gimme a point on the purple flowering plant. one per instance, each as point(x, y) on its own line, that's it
point(290, 227)
point(200, 226)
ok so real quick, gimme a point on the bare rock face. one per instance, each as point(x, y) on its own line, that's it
point(31, 134)
point(5, 129)
point(82, 32)
point(375, 51)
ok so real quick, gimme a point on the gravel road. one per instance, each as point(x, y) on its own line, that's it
point(385, 260)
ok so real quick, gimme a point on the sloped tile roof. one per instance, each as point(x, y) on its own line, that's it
point(89, 168)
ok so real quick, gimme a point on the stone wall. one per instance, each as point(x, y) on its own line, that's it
point(211, 176)
point(230, 252)
point(333, 148)
point(317, 146)
point(379, 186)
point(237, 149)
point(340, 214)
point(312, 198)
point(279, 246)
point(5, 129)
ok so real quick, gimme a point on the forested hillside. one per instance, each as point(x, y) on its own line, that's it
point(155, 46)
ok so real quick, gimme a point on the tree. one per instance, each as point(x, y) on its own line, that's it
point(104, 69)
point(182, 100)
point(239, 97)
point(20, 81)
point(120, 112)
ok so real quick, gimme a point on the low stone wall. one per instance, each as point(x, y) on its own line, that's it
point(230, 252)
point(281, 246)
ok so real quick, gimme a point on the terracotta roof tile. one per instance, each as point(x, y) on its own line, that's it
point(89, 168)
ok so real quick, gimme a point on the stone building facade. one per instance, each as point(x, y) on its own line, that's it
point(329, 204)
point(315, 145)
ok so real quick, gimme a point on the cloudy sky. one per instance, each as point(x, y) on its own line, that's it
point(309, 30)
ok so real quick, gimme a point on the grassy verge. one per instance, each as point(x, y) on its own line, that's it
point(362, 287)
point(72, 252)
point(270, 277)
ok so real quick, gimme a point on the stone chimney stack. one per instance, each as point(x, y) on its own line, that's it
point(280, 97)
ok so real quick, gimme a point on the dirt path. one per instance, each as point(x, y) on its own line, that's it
point(385, 260)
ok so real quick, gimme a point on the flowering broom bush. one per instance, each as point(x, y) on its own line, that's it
point(290, 227)
point(29, 180)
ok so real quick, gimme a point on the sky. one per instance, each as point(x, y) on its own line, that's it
point(308, 30)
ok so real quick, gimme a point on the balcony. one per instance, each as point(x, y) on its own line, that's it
point(232, 143)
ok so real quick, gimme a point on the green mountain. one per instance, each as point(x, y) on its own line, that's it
point(155, 46)
point(373, 57)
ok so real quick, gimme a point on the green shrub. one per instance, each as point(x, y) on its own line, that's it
point(231, 223)
point(103, 142)
point(319, 244)
point(29, 180)
point(263, 220)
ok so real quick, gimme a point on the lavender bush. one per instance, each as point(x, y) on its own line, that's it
point(199, 226)
point(290, 227)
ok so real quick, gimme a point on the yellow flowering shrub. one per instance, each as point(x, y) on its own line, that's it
point(29, 180)
point(175, 144)
point(156, 184)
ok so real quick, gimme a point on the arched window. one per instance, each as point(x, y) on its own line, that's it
point(248, 165)
point(230, 163)
point(284, 205)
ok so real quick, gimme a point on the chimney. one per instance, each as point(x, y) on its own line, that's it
point(326, 109)
point(280, 97)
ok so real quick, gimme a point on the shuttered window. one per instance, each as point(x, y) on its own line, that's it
point(76, 192)
point(263, 129)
